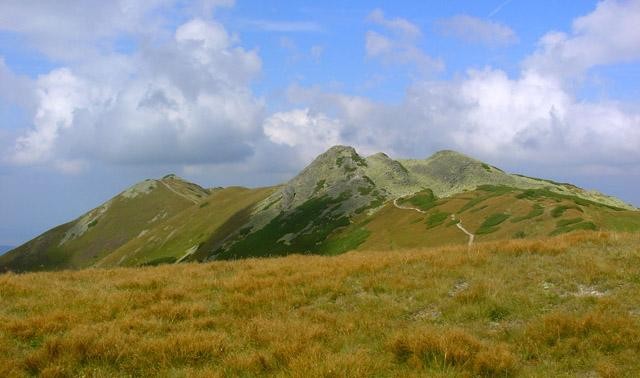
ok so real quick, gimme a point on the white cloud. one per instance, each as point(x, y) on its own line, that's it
point(59, 94)
point(209, 36)
point(476, 30)
point(70, 30)
point(609, 34)
point(311, 133)
point(399, 25)
point(399, 47)
point(531, 120)
point(534, 118)
point(377, 44)
point(186, 101)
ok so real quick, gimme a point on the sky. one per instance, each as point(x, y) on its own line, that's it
point(98, 95)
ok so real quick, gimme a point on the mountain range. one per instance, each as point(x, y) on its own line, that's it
point(341, 201)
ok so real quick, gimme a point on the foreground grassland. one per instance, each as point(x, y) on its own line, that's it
point(564, 306)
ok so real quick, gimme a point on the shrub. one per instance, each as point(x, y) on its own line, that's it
point(490, 223)
point(436, 219)
point(535, 212)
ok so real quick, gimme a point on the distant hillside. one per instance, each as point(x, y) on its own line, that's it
point(5, 248)
point(341, 201)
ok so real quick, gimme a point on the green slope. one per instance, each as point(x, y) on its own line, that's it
point(88, 239)
point(491, 213)
point(341, 201)
point(180, 237)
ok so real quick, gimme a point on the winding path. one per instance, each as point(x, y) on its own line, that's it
point(395, 203)
point(453, 217)
point(459, 225)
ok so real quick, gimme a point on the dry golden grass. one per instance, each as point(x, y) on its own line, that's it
point(558, 307)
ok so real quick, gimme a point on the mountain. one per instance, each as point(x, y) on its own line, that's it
point(94, 235)
point(5, 248)
point(339, 202)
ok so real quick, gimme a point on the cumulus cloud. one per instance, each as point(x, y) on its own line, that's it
point(533, 118)
point(609, 34)
point(184, 101)
point(72, 30)
point(59, 94)
point(476, 30)
point(310, 132)
point(399, 45)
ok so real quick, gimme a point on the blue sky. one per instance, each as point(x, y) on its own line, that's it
point(95, 96)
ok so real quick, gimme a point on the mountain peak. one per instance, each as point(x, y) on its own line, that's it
point(337, 151)
point(450, 154)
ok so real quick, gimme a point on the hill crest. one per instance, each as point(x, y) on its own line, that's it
point(340, 201)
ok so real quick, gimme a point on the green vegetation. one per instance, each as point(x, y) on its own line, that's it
point(490, 223)
point(453, 222)
point(498, 189)
point(491, 191)
point(358, 160)
point(160, 261)
point(546, 193)
point(574, 227)
point(622, 221)
point(558, 211)
point(272, 203)
point(536, 211)
point(319, 186)
point(436, 219)
point(309, 224)
point(346, 241)
point(549, 181)
point(174, 219)
point(566, 222)
point(355, 158)
point(364, 190)
point(423, 200)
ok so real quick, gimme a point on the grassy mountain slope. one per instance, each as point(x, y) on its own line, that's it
point(339, 202)
point(180, 236)
point(88, 239)
point(568, 306)
point(449, 172)
point(491, 213)
point(343, 201)
point(300, 215)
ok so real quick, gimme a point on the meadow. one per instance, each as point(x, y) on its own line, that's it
point(561, 306)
